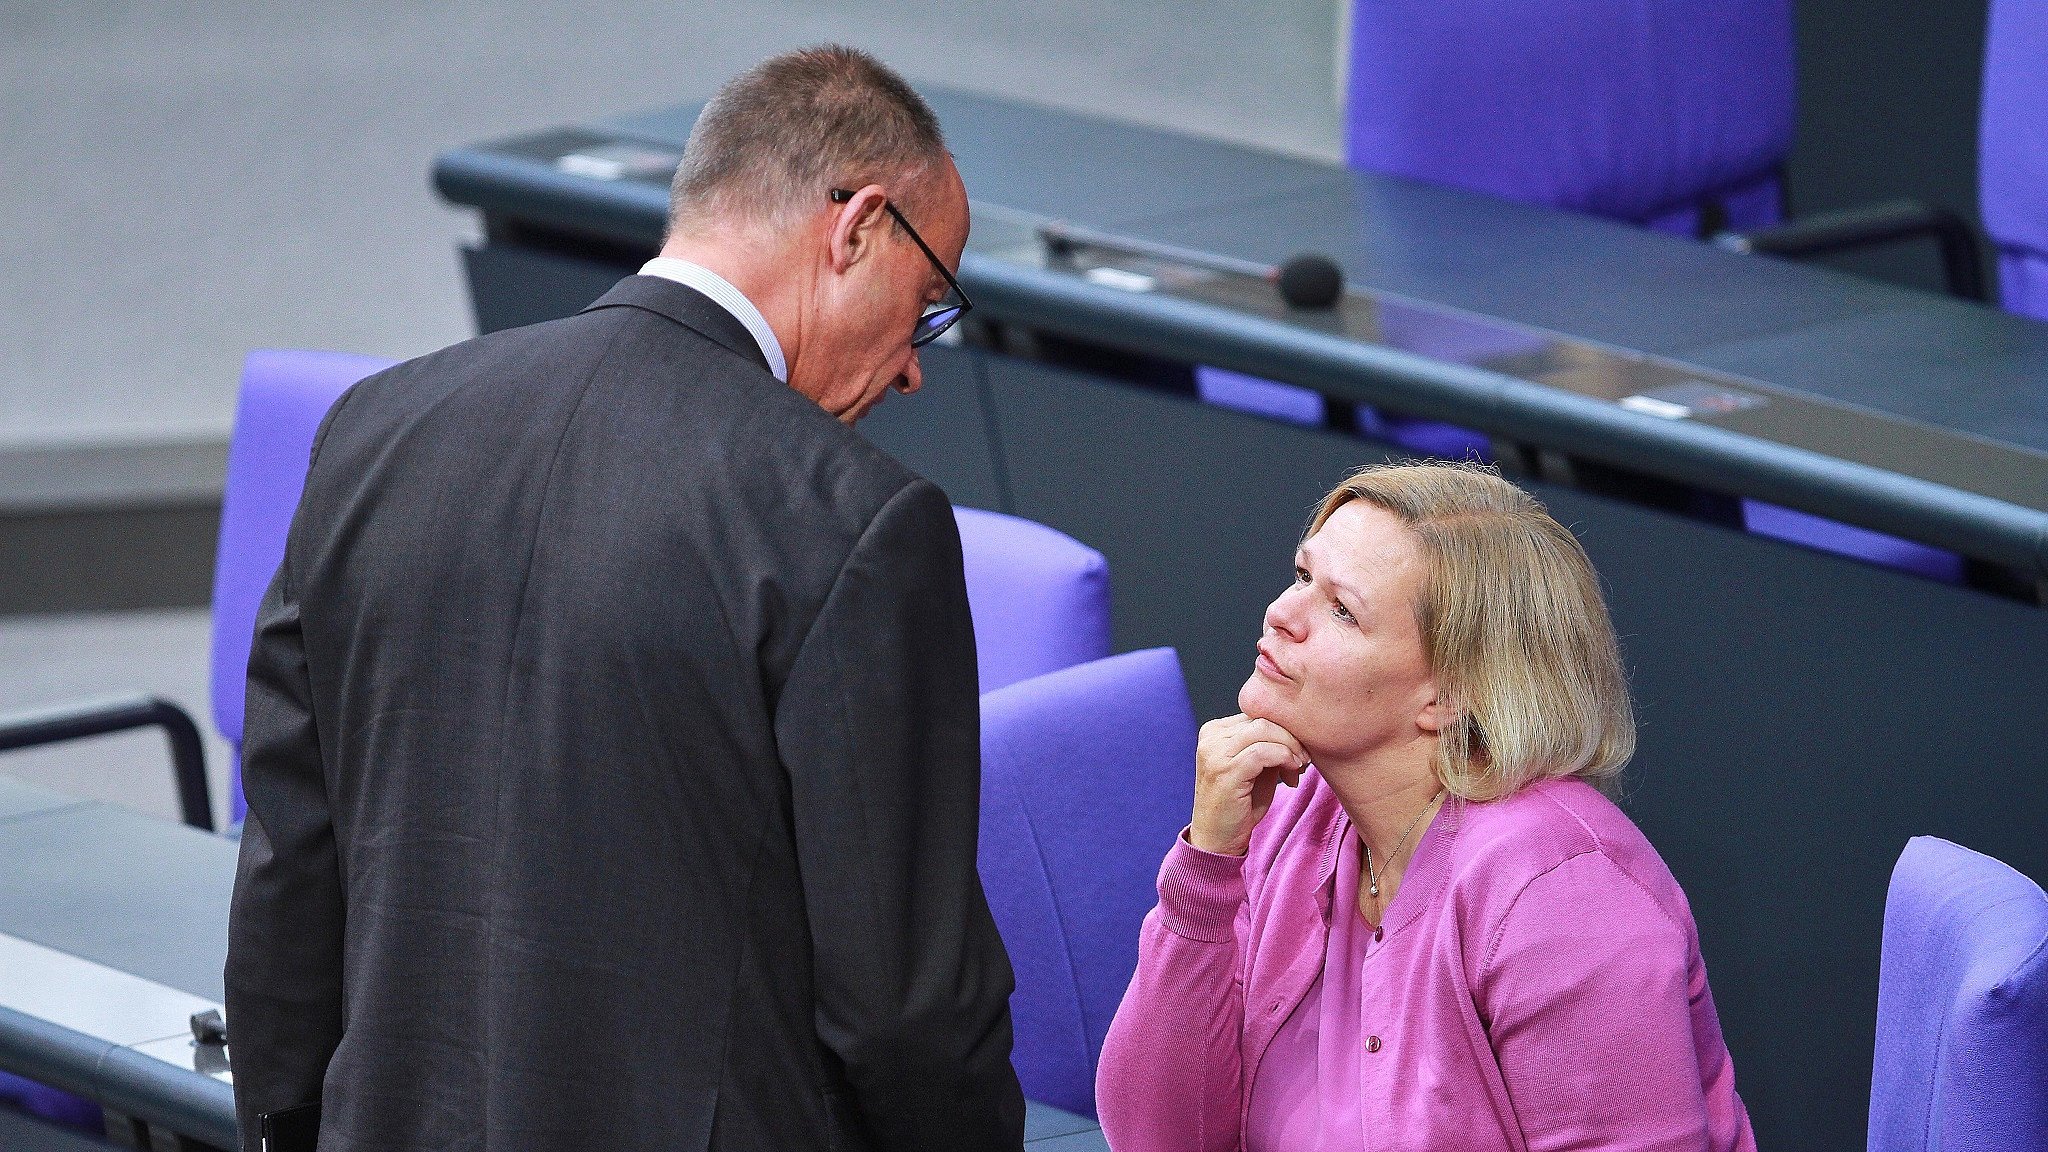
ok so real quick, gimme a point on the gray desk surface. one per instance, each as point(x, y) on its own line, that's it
point(1943, 361)
point(150, 898)
point(132, 892)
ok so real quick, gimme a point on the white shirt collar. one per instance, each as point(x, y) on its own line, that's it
point(727, 297)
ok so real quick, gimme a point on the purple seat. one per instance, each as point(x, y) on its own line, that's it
point(285, 394)
point(1797, 527)
point(1637, 110)
point(50, 1104)
point(1087, 776)
point(1647, 111)
point(2013, 152)
point(1040, 598)
point(1261, 397)
point(1962, 1007)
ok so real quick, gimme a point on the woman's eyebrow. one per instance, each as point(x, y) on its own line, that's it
point(1353, 598)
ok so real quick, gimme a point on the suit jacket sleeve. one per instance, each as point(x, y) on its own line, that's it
point(879, 728)
point(284, 928)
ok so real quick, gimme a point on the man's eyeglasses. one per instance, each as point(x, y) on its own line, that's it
point(942, 315)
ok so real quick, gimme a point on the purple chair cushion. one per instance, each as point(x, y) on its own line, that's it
point(1261, 397)
point(1962, 1007)
point(1848, 540)
point(1426, 437)
point(1758, 204)
point(47, 1103)
point(285, 394)
point(2023, 282)
point(1040, 598)
point(2013, 150)
point(1633, 109)
point(1087, 776)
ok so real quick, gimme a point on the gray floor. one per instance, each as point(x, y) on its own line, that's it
point(188, 181)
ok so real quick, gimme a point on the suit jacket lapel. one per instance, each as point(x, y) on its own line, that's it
point(688, 307)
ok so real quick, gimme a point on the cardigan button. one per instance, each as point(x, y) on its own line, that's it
point(1372, 1043)
point(1379, 934)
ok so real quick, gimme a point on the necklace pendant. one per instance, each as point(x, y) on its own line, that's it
point(1373, 890)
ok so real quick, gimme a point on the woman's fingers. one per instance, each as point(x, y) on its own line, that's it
point(1238, 763)
point(1266, 731)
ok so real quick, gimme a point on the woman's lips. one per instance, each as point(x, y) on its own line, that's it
point(1268, 668)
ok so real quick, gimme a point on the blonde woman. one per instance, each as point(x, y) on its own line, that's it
point(1440, 934)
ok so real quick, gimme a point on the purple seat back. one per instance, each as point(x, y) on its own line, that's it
point(2013, 151)
point(50, 1104)
point(1040, 598)
point(1087, 776)
point(1962, 1007)
point(285, 394)
point(1632, 109)
point(1291, 403)
point(1818, 532)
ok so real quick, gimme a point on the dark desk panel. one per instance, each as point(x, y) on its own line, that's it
point(19, 1133)
point(143, 897)
point(1108, 173)
point(1556, 394)
point(944, 431)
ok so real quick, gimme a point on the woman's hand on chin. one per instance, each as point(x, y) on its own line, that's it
point(1239, 760)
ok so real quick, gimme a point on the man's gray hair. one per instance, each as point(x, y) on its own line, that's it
point(780, 136)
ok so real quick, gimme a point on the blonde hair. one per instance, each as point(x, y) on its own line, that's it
point(1514, 628)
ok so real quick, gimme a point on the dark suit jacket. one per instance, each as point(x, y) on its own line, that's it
point(612, 763)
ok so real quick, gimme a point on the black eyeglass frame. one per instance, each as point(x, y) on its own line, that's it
point(932, 324)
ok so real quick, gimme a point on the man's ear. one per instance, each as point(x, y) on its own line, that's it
point(857, 227)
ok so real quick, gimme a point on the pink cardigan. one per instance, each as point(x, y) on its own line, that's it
point(1539, 986)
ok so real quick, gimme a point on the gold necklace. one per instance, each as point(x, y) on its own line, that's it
point(1371, 875)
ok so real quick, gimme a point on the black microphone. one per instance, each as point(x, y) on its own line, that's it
point(1310, 280)
point(1305, 280)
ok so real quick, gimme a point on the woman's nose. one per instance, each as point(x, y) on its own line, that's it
point(1283, 615)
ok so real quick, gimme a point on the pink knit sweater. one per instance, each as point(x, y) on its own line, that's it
point(1538, 985)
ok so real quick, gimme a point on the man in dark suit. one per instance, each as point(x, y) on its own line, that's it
point(612, 742)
